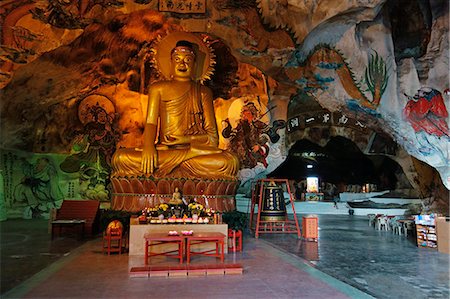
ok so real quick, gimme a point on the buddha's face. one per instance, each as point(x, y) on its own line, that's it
point(183, 61)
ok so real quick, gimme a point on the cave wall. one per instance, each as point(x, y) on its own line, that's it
point(66, 65)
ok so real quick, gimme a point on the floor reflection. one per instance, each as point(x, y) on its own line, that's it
point(380, 263)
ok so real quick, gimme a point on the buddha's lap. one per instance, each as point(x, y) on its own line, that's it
point(127, 161)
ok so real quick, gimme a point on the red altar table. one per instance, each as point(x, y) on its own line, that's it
point(200, 238)
point(156, 239)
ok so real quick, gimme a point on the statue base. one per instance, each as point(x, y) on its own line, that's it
point(135, 194)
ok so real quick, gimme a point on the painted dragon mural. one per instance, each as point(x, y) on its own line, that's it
point(305, 72)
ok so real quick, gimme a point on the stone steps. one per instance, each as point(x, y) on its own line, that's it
point(185, 270)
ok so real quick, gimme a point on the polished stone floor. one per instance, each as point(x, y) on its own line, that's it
point(84, 272)
point(377, 262)
point(350, 260)
point(26, 249)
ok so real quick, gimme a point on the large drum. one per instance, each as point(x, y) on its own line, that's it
point(273, 205)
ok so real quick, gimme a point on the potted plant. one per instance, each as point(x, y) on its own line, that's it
point(236, 220)
point(162, 210)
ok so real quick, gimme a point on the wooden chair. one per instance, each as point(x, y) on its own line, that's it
point(234, 240)
point(112, 237)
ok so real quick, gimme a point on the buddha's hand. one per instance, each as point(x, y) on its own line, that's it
point(149, 160)
point(176, 139)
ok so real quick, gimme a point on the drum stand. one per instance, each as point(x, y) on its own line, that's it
point(285, 226)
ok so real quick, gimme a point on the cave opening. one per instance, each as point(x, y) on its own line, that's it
point(340, 162)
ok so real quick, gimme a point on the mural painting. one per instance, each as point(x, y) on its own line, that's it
point(32, 184)
point(251, 137)
point(39, 188)
point(306, 71)
point(72, 14)
point(93, 147)
point(427, 114)
point(54, 53)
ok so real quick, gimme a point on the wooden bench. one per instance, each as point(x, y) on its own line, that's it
point(79, 214)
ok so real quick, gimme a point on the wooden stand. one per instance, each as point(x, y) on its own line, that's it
point(310, 228)
point(272, 226)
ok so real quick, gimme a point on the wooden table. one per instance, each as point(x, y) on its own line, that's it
point(155, 239)
point(137, 232)
point(200, 238)
point(72, 223)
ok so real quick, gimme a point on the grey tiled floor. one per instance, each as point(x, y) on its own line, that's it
point(349, 257)
point(268, 273)
point(378, 262)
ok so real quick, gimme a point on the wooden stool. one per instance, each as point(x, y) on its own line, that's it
point(234, 240)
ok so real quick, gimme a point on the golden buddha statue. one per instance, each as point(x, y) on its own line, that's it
point(180, 134)
point(176, 197)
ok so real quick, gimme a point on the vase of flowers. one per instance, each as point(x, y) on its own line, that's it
point(195, 209)
point(162, 210)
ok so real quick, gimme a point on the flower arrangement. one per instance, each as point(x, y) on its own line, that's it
point(195, 208)
point(210, 212)
point(162, 209)
point(148, 212)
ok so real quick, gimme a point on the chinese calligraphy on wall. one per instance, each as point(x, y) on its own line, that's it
point(302, 121)
point(183, 6)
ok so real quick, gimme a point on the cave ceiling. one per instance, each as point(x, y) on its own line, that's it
point(370, 61)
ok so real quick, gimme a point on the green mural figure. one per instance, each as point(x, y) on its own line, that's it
point(93, 149)
point(39, 189)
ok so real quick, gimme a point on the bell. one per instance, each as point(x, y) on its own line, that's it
point(273, 206)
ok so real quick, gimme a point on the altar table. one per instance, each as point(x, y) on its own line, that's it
point(157, 239)
point(194, 245)
point(138, 231)
point(201, 238)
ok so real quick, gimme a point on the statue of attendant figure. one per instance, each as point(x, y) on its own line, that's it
point(188, 137)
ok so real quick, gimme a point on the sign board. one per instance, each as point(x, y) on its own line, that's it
point(183, 6)
point(323, 118)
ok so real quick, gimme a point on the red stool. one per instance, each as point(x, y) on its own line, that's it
point(112, 237)
point(234, 240)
